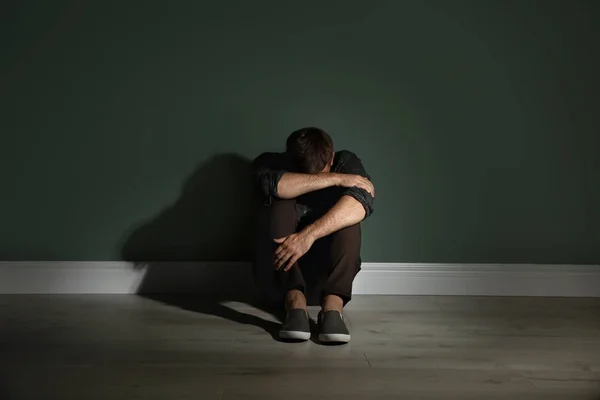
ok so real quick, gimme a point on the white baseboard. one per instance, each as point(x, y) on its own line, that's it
point(55, 277)
point(481, 280)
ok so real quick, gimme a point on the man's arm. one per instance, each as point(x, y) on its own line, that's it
point(352, 165)
point(271, 173)
point(292, 185)
point(355, 204)
point(346, 212)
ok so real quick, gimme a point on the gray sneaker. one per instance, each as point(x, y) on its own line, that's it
point(332, 328)
point(296, 325)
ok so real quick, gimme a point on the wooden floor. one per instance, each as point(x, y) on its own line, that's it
point(130, 347)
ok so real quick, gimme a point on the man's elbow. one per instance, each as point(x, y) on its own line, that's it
point(364, 198)
point(368, 206)
point(367, 210)
point(268, 183)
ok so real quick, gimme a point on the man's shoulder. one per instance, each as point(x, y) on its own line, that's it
point(348, 162)
point(343, 156)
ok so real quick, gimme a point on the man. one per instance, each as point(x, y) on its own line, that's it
point(314, 201)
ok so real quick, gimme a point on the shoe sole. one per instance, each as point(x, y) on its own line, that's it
point(294, 335)
point(334, 338)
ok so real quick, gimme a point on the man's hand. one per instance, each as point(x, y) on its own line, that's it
point(291, 249)
point(350, 180)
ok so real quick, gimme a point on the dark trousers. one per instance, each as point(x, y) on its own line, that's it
point(329, 267)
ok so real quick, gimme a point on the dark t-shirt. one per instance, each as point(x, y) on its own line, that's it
point(269, 167)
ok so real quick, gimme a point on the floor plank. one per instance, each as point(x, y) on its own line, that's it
point(128, 347)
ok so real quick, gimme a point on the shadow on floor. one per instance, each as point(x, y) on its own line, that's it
point(213, 221)
point(215, 305)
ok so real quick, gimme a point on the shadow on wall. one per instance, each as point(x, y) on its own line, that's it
point(212, 221)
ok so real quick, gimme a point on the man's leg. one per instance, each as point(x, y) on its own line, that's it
point(344, 255)
point(278, 220)
point(343, 249)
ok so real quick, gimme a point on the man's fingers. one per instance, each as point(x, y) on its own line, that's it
point(365, 184)
point(277, 258)
point(277, 263)
point(368, 188)
point(281, 261)
point(279, 250)
point(360, 182)
point(291, 262)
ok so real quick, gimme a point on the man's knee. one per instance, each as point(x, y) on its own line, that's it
point(280, 218)
point(347, 240)
point(282, 207)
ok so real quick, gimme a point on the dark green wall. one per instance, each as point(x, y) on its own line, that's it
point(478, 121)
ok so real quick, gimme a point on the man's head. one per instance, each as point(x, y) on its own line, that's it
point(311, 150)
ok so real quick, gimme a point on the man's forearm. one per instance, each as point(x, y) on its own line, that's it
point(292, 185)
point(346, 212)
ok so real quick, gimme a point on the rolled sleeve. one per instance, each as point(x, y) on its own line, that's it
point(267, 176)
point(351, 164)
point(363, 197)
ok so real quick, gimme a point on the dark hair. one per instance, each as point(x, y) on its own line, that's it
point(310, 149)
